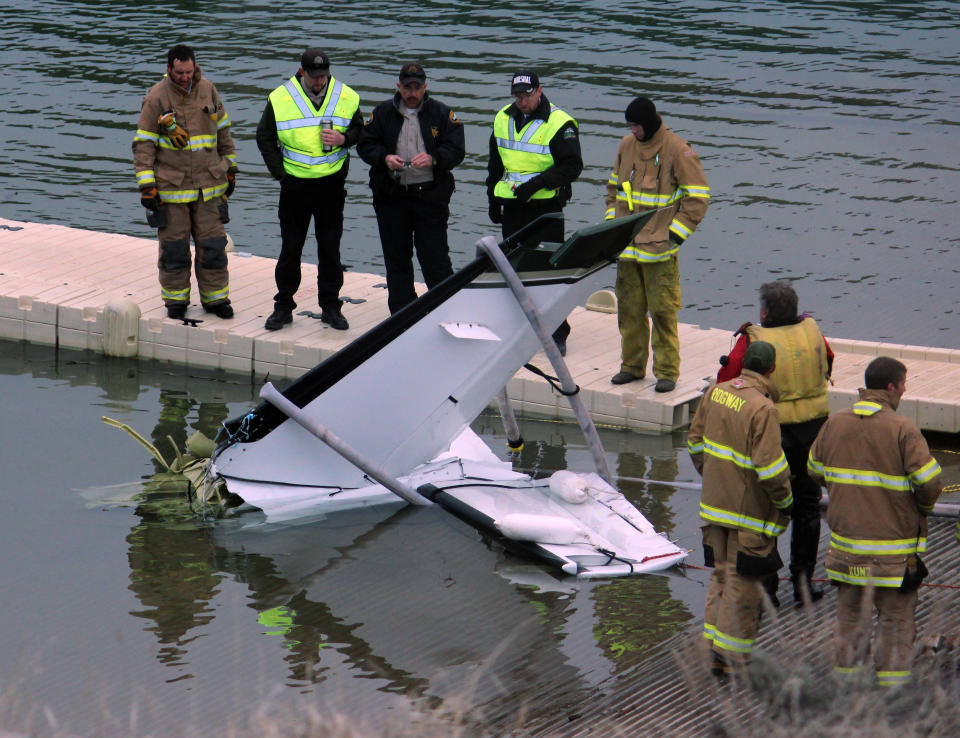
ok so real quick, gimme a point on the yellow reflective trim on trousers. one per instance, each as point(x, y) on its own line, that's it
point(848, 670)
point(839, 576)
point(175, 295)
point(893, 678)
point(207, 297)
point(732, 643)
point(926, 472)
point(879, 547)
point(739, 520)
point(862, 477)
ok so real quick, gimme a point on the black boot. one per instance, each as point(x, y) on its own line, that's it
point(771, 583)
point(802, 580)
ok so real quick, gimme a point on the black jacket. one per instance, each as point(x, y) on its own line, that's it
point(565, 149)
point(443, 139)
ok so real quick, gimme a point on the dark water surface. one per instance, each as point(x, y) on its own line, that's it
point(826, 132)
point(826, 128)
point(118, 602)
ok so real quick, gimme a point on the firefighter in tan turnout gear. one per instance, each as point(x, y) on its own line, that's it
point(734, 442)
point(654, 169)
point(185, 163)
point(883, 483)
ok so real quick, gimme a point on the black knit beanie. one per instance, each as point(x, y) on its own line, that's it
point(643, 112)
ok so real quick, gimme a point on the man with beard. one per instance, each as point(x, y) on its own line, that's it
point(412, 142)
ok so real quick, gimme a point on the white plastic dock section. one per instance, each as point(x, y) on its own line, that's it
point(55, 282)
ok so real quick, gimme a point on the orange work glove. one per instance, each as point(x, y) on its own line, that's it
point(172, 130)
point(231, 183)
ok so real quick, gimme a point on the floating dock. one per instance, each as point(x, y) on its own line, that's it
point(55, 282)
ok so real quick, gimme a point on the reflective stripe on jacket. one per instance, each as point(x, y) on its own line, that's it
point(299, 124)
point(801, 372)
point(663, 172)
point(200, 168)
point(525, 153)
point(734, 442)
point(882, 481)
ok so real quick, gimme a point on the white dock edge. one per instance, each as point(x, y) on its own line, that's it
point(55, 282)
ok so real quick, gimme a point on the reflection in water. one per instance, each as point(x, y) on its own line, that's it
point(411, 598)
point(172, 570)
point(410, 603)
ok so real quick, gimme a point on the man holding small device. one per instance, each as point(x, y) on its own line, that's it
point(412, 142)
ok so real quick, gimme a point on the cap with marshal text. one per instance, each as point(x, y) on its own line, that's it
point(524, 81)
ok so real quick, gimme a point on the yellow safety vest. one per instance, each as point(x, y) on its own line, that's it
point(299, 124)
point(801, 373)
point(525, 153)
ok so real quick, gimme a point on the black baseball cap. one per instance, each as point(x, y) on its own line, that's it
point(412, 72)
point(315, 60)
point(524, 81)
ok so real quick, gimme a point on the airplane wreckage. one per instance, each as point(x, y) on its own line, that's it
point(386, 420)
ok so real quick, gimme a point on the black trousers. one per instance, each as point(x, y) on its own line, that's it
point(303, 200)
point(517, 215)
point(407, 222)
point(797, 438)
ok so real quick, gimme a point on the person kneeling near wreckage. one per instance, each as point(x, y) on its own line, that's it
point(734, 442)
